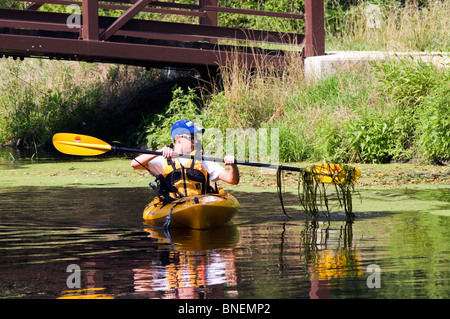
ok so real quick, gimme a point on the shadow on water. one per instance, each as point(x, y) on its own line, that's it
point(262, 255)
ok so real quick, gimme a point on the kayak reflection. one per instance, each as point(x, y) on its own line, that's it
point(192, 263)
point(189, 239)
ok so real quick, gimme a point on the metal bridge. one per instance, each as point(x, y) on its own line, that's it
point(81, 34)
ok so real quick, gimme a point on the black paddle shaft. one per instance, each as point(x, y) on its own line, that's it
point(211, 159)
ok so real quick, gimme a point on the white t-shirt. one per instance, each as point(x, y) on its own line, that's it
point(214, 169)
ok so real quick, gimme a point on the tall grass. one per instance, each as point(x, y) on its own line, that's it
point(40, 97)
point(392, 110)
point(390, 27)
point(304, 112)
point(367, 113)
point(373, 112)
point(251, 98)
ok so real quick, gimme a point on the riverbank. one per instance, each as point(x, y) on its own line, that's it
point(390, 110)
point(381, 188)
point(117, 172)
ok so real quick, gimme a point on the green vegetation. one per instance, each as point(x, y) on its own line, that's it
point(394, 110)
point(397, 122)
point(388, 25)
point(182, 105)
point(40, 98)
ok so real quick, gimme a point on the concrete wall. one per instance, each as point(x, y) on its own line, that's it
point(319, 66)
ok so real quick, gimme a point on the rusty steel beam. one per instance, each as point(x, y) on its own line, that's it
point(50, 21)
point(38, 3)
point(33, 20)
point(185, 29)
point(90, 20)
point(314, 28)
point(33, 6)
point(123, 19)
point(145, 42)
point(209, 18)
point(198, 7)
point(117, 52)
point(207, 10)
point(230, 10)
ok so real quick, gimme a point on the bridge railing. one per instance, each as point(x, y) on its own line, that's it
point(93, 27)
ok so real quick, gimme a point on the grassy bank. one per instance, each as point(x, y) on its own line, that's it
point(117, 172)
point(386, 188)
point(393, 110)
point(396, 110)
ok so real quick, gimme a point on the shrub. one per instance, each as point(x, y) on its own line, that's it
point(407, 80)
point(376, 139)
point(433, 131)
point(184, 105)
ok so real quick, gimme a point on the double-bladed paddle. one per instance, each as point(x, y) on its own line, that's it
point(83, 145)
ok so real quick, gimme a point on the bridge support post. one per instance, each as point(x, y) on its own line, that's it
point(90, 20)
point(210, 17)
point(314, 28)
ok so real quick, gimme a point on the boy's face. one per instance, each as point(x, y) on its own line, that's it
point(186, 143)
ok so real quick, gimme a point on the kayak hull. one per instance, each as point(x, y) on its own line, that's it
point(198, 211)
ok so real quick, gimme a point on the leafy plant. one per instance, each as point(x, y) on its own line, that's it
point(434, 126)
point(184, 105)
point(371, 140)
point(406, 80)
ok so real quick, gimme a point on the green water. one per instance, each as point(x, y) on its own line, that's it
point(404, 233)
point(263, 255)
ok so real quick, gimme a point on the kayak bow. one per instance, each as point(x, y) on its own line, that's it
point(196, 211)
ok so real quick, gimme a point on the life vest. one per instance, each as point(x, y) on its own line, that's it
point(189, 179)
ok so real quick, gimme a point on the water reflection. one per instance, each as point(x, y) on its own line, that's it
point(329, 263)
point(218, 263)
point(192, 264)
point(43, 230)
point(186, 239)
point(90, 293)
point(311, 257)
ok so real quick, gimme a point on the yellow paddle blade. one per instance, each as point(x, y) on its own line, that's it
point(77, 144)
point(334, 174)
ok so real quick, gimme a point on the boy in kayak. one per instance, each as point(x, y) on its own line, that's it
point(189, 176)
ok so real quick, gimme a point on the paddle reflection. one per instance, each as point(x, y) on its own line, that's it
point(192, 264)
point(90, 293)
point(330, 256)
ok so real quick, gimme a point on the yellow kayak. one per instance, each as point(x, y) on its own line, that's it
point(197, 211)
